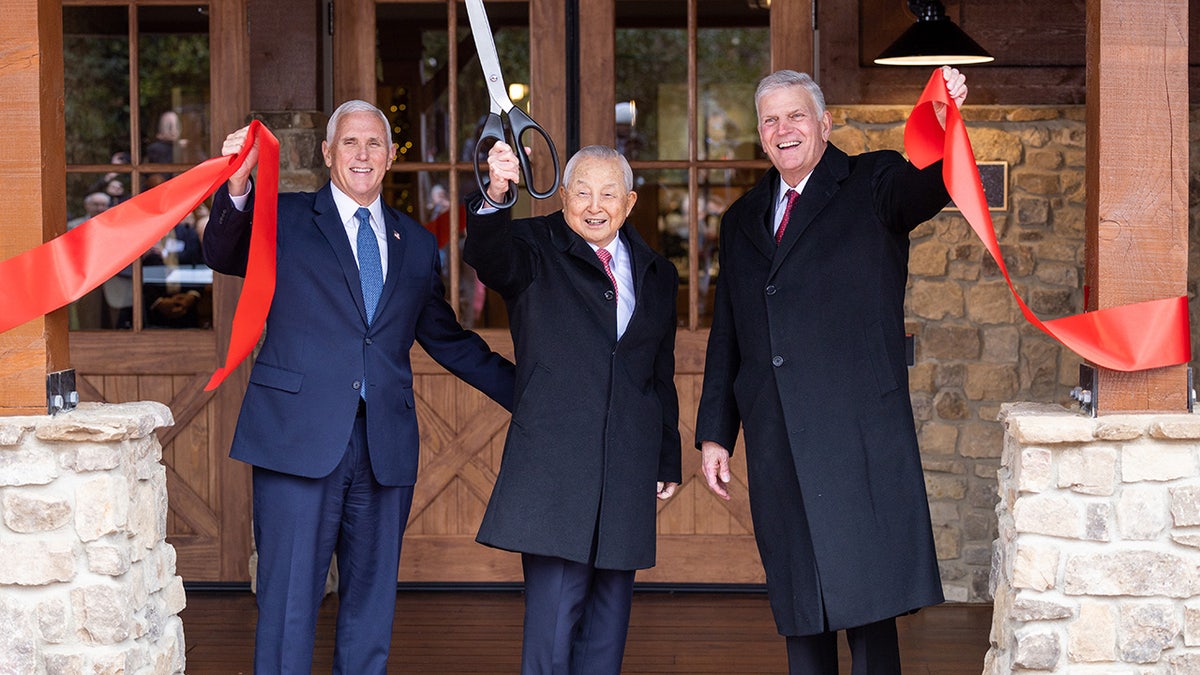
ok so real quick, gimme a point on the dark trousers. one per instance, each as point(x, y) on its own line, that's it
point(298, 524)
point(874, 650)
point(576, 617)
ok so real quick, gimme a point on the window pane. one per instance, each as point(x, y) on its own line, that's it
point(96, 84)
point(173, 91)
point(651, 79)
point(176, 285)
point(731, 61)
point(104, 307)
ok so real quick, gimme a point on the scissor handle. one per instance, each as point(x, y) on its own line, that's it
point(519, 123)
point(493, 128)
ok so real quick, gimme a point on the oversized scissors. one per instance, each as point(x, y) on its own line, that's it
point(505, 121)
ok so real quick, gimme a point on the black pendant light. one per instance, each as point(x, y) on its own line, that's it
point(934, 40)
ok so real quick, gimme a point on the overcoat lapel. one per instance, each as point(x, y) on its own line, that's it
point(573, 245)
point(758, 229)
point(821, 187)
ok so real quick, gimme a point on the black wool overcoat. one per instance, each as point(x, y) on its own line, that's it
point(596, 421)
point(807, 355)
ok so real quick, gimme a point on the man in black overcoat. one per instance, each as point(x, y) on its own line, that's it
point(595, 427)
point(806, 354)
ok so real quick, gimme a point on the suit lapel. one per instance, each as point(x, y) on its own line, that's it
point(329, 222)
point(756, 226)
point(397, 244)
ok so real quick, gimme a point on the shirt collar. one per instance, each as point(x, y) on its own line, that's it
point(784, 187)
point(347, 207)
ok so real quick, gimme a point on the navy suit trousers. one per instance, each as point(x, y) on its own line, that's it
point(298, 524)
point(576, 617)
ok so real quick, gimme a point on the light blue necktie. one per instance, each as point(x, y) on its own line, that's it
point(370, 270)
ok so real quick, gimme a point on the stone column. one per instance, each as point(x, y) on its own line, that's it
point(1096, 568)
point(87, 580)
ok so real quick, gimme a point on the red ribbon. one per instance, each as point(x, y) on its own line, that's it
point(67, 267)
point(1130, 337)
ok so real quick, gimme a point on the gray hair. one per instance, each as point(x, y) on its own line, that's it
point(354, 106)
point(599, 152)
point(784, 79)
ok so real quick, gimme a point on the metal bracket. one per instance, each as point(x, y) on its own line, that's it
point(1085, 393)
point(61, 395)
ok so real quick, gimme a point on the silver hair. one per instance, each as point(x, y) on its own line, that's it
point(599, 152)
point(354, 106)
point(783, 79)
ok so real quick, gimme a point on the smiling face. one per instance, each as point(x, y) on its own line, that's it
point(595, 201)
point(359, 156)
point(793, 133)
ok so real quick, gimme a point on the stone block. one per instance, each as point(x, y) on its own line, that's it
point(18, 638)
point(1001, 344)
point(991, 302)
point(1037, 649)
point(1098, 517)
point(1142, 513)
point(949, 343)
point(1119, 428)
point(1183, 664)
point(29, 512)
point(1145, 631)
point(85, 457)
point(928, 259)
point(951, 405)
point(1093, 636)
point(1035, 470)
point(937, 439)
point(1156, 462)
point(1049, 514)
point(27, 464)
point(1045, 424)
point(101, 506)
point(100, 423)
point(103, 614)
point(64, 664)
point(935, 300)
point(982, 440)
point(1027, 607)
point(53, 617)
point(1176, 427)
point(1090, 470)
point(1141, 573)
point(109, 559)
point(1035, 567)
point(944, 486)
point(26, 561)
point(1185, 505)
point(1191, 624)
point(991, 382)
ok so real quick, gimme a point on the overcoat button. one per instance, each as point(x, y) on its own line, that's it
point(771, 290)
point(358, 385)
point(608, 295)
point(777, 361)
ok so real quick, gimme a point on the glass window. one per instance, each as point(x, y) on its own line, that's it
point(131, 124)
point(687, 175)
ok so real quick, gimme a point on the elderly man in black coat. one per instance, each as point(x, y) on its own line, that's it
point(595, 428)
point(807, 355)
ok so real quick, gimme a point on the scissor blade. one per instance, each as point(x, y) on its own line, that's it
point(485, 46)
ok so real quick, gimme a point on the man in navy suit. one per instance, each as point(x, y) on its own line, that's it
point(594, 438)
point(328, 420)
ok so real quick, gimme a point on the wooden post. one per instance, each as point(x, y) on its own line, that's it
point(33, 172)
point(1137, 178)
point(792, 36)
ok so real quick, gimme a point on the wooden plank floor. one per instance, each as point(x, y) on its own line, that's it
point(449, 632)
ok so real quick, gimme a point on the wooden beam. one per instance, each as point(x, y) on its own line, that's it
point(598, 35)
point(33, 171)
point(547, 82)
point(1137, 178)
point(792, 35)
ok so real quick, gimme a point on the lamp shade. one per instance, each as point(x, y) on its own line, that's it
point(933, 42)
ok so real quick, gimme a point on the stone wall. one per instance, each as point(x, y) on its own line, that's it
point(1096, 566)
point(87, 580)
point(974, 350)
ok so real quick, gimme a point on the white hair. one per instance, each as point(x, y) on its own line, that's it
point(354, 106)
point(599, 152)
point(784, 79)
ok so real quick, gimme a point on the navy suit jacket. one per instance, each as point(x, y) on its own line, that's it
point(303, 395)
